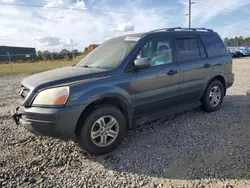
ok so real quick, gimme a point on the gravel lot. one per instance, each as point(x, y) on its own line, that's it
point(192, 149)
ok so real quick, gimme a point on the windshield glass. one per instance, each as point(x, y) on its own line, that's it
point(109, 54)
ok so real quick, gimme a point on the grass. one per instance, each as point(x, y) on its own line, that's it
point(24, 68)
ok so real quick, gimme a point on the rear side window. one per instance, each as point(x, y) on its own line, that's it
point(187, 49)
point(214, 44)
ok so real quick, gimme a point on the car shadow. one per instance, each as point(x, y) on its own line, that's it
point(190, 145)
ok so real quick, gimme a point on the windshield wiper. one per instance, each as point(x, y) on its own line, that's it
point(98, 67)
point(86, 66)
point(95, 67)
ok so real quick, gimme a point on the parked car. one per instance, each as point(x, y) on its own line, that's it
point(238, 53)
point(125, 81)
point(231, 52)
point(244, 52)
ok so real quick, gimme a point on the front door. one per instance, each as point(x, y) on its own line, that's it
point(156, 87)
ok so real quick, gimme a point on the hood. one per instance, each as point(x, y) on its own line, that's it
point(62, 76)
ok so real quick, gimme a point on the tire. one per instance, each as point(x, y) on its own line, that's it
point(94, 127)
point(208, 103)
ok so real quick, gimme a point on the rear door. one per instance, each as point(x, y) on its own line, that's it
point(195, 67)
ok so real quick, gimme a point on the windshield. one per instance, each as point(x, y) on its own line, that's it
point(109, 54)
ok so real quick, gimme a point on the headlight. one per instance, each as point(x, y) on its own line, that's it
point(53, 96)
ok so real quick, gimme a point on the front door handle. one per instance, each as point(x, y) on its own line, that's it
point(207, 65)
point(172, 72)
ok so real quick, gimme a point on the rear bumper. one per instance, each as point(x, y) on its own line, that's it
point(54, 122)
point(248, 92)
point(229, 79)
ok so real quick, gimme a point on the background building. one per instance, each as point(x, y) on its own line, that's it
point(12, 53)
point(90, 48)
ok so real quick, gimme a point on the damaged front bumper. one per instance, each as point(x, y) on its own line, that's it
point(53, 122)
point(16, 115)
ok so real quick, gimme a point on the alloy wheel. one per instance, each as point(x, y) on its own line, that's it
point(104, 131)
point(215, 96)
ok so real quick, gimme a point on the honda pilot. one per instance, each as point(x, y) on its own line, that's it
point(127, 81)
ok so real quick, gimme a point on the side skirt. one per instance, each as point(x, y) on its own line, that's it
point(166, 112)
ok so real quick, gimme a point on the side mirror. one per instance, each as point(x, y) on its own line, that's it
point(142, 63)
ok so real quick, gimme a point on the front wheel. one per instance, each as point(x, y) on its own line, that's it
point(213, 96)
point(102, 131)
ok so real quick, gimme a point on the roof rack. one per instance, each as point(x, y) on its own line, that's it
point(182, 29)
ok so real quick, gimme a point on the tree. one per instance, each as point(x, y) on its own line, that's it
point(241, 40)
point(227, 41)
point(54, 56)
point(47, 54)
point(65, 51)
point(63, 54)
point(76, 53)
point(237, 41)
point(39, 55)
point(247, 41)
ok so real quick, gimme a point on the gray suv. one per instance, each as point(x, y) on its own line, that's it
point(127, 80)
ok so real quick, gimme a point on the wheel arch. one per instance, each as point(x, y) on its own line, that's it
point(115, 101)
point(219, 78)
point(222, 80)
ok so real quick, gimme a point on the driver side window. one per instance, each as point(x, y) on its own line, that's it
point(158, 51)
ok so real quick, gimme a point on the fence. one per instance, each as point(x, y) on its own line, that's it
point(17, 57)
point(29, 67)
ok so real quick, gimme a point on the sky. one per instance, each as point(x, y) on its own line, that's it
point(56, 24)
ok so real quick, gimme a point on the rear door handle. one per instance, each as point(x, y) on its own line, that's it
point(207, 65)
point(172, 72)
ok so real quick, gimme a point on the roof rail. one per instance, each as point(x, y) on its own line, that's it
point(180, 28)
point(192, 29)
point(164, 29)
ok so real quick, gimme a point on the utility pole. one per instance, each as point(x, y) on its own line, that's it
point(9, 60)
point(9, 56)
point(189, 13)
point(72, 44)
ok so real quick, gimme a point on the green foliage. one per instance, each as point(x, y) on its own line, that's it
point(64, 54)
point(237, 41)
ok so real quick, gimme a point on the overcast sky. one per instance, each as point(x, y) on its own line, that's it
point(53, 29)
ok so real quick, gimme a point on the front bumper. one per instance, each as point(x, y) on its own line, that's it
point(54, 122)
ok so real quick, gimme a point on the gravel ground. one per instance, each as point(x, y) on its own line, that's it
point(192, 149)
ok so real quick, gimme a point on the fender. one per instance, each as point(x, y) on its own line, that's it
point(218, 71)
point(89, 96)
point(86, 97)
point(215, 72)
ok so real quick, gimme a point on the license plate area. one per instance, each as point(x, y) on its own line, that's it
point(16, 115)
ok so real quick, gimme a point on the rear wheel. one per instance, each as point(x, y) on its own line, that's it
point(102, 131)
point(213, 96)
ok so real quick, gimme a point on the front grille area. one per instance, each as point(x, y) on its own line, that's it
point(24, 92)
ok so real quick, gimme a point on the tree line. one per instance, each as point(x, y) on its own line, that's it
point(63, 54)
point(237, 41)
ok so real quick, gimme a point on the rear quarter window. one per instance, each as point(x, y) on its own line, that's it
point(187, 49)
point(214, 44)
